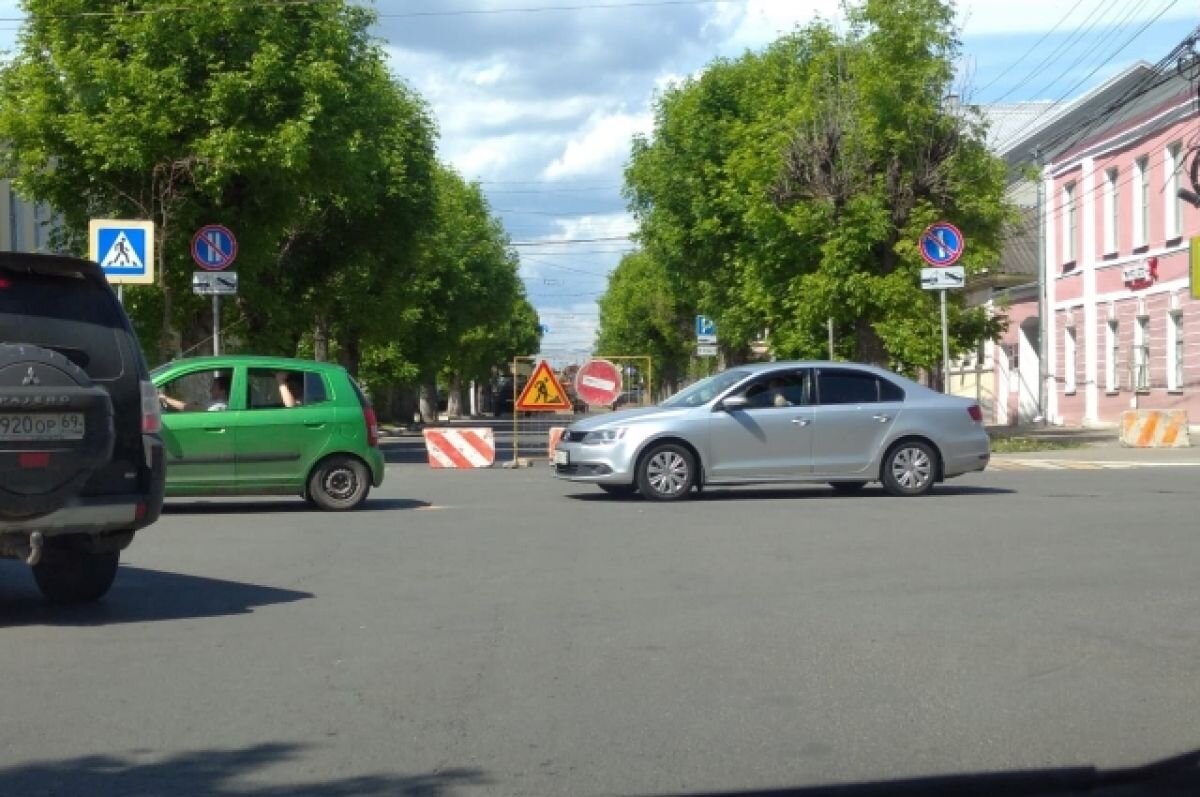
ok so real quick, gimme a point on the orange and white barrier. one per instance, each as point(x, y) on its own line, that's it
point(1155, 429)
point(556, 433)
point(460, 448)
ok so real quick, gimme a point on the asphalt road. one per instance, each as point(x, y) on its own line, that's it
point(499, 632)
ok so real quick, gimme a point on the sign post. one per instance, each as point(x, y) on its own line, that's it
point(941, 246)
point(214, 248)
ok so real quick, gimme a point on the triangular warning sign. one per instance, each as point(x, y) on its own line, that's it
point(543, 391)
point(122, 255)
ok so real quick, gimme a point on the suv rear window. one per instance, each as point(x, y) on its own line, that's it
point(66, 313)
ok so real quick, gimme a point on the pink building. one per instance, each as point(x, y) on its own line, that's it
point(1122, 327)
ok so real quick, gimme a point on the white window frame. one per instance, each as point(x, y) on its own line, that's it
point(1111, 214)
point(1070, 357)
point(1071, 231)
point(1140, 361)
point(1173, 210)
point(1112, 348)
point(1174, 351)
point(1141, 202)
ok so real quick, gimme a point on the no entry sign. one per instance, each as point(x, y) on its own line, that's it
point(598, 383)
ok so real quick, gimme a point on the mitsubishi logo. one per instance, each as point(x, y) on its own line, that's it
point(30, 378)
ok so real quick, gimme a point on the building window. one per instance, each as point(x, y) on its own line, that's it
point(1112, 348)
point(1110, 211)
point(1070, 357)
point(1141, 354)
point(1172, 165)
point(1141, 204)
point(1069, 240)
point(1175, 350)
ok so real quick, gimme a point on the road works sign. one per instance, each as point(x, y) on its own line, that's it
point(543, 392)
point(124, 249)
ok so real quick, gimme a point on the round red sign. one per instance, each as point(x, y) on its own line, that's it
point(598, 383)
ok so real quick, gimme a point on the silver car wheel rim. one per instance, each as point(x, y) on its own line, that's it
point(912, 468)
point(340, 484)
point(667, 473)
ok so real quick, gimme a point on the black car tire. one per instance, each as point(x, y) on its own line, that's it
point(910, 468)
point(27, 370)
point(666, 472)
point(339, 483)
point(622, 490)
point(76, 575)
point(847, 487)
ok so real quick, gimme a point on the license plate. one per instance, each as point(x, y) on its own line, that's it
point(562, 457)
point(33, 426)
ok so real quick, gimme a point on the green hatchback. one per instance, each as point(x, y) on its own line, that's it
point(245, 425)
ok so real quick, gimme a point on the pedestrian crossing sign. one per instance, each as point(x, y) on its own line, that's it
point(124, 249)
point(543, 392)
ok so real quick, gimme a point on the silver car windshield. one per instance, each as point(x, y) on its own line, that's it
point(706, 389)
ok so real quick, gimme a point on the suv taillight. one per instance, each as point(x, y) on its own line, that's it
point(151, 409)
point(975, 413)
point(372, 425)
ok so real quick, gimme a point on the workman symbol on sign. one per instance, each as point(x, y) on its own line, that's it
point(543, 395)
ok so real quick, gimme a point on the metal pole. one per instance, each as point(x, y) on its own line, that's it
point(945, 346)
point(829, 325)
point(516, 431)
point(216, 325)
point(1041, 283)
point(121, 294)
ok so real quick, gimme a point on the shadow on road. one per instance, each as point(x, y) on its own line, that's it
point(791, 493)
point(214, 772)
point(184, 506)
point(137, 596)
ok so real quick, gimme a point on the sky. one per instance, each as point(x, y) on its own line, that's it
point(539, 100)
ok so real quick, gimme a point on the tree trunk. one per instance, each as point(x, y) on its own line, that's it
point(404, 405)
point(454, 397)
point(321, 338)
point(169, 347)
point(427, 403)
point(868, 346)
point(350, 355)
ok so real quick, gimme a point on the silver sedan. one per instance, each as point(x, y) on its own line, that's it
point(841, 423)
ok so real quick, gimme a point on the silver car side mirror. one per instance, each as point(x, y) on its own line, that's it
point(730, 403)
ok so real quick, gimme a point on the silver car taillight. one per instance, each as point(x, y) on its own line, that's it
point(151, 409)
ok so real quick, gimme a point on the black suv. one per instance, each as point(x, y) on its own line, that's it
point(81, 459)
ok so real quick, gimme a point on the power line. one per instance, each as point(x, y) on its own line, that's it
point(1029, 52)
point(569, 241)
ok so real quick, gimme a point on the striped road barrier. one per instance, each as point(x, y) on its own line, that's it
point(473, 447)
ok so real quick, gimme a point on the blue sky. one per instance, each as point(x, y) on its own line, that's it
point(540, 106)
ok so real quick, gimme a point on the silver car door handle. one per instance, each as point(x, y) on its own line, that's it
point(801, 421)
point(882, 418)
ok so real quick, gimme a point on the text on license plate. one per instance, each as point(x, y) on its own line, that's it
point(27, 426)
point(562, 457)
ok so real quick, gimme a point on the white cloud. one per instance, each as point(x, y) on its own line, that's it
point(601, 147)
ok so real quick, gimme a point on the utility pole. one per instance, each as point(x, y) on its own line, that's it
point(829, 324)
point(1040, 215)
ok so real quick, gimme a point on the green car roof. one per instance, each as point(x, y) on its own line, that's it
point(252, 360)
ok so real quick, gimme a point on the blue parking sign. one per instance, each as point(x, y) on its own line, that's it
point(124, 249)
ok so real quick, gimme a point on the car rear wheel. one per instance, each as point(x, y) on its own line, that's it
point(76, 575)
point(847, 487)
point(666, 473)
point(910, 468)
point(339, 483)
point(623, 490)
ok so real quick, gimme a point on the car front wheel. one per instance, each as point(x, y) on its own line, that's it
point(667, 473)
point(339, 483)
point(76, 576)
point(910, 468)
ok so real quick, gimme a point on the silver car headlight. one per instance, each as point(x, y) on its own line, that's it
point(603, 436)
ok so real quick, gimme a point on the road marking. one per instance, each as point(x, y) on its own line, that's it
point(1051, 464)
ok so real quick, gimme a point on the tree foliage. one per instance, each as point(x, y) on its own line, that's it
point(790, 186)
point(283, 122)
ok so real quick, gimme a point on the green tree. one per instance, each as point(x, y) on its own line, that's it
point(790, 186)
point(257, 115)
point(639, 315)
